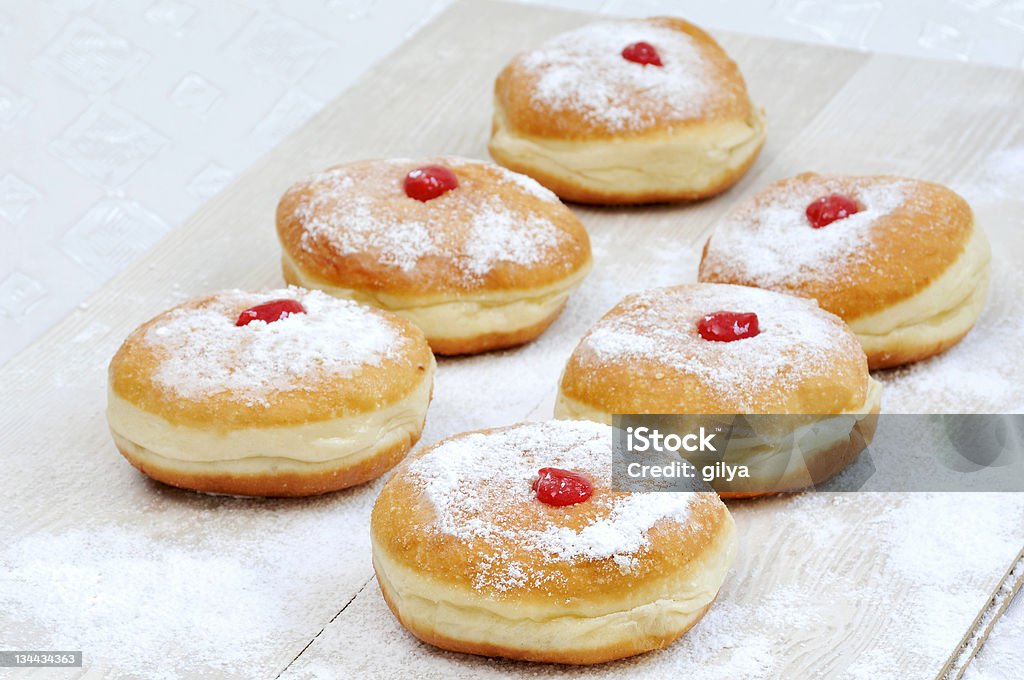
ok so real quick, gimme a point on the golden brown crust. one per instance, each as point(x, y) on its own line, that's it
point(909, 248)
point(897, 356)
point(682, 374)
point(372, 268)
point(402, 525)
point(516, 84)
point(470, 560)
point(320, 478)
point(133, 377)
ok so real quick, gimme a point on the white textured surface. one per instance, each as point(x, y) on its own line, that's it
point(118, 119)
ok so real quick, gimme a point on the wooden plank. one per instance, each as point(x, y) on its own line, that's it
point(986, 622)
point(145, 578)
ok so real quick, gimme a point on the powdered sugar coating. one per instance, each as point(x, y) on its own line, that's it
point(797, 342)
point(476, 483)
point(768, 241)
point(361, 209)
point(584, 71)
point(201, 351)
point(527, 184)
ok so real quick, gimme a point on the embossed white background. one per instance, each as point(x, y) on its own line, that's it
point(118, 118)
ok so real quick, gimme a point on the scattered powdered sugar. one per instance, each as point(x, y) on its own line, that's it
point(969, 532)
point(476, 482)
point(583, 70)
point(496, 235)
point(527, 184)
point(796, 338)
point(357, 226)
point(361, 209)
point(353, 222)
point(848, 586)
point(1002, 655)
point(1008, 626)
point(203, 352)
point(982, 373)
point(620, 535)
point(236, 588)
point(610, 341)
point(768, 240)
point(1004, 171)
point(913, 553)
point(998, 180)
point(203, 587)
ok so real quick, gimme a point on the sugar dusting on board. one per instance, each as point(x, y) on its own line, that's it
point(204, 353)
point(981, 374)
point(361, 210)
point(939, 547)
point(1005, 169)
point(756, 634)
point(942, 558)
point(292, 566)
point(769, 242)
point(197, 587)
point(477, 482)
point(1002, 655)
point(583, 70)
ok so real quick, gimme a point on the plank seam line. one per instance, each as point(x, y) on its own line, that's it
point(321, 632)
point(1010, 587)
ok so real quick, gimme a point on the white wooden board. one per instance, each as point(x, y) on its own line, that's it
point(154, 582)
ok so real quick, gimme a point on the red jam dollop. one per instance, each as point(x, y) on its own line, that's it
point(642, 53)
point(555, 486)
point(272, 311)
point(728, 326)
point(429, 182)
point(827, 209)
